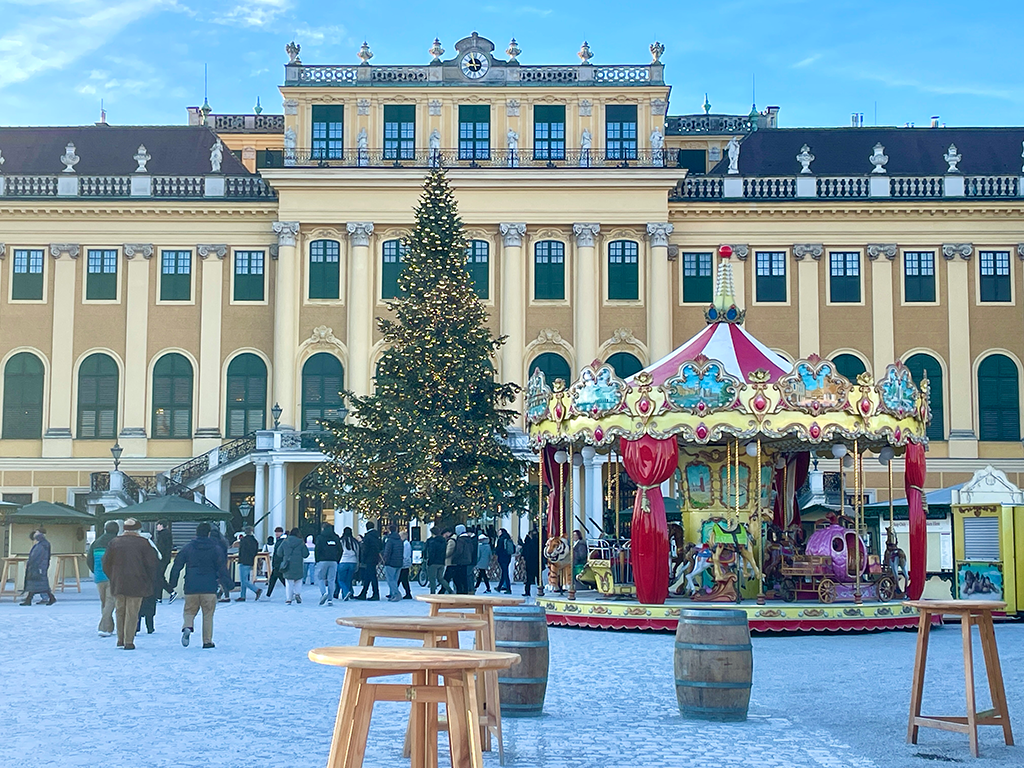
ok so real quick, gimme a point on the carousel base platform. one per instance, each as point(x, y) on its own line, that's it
point(591, 610)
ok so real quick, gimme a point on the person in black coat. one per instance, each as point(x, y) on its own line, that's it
point(326, 554)
point(248, 547)
point(206, 569)
point(531, 559)
point(164, 541)
point(275, 561)
point(505, 548)
point(369, 556)
point(37, 581)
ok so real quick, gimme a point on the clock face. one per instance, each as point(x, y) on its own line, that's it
point(474, 65)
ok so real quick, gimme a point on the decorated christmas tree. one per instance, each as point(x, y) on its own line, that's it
point(429, 442)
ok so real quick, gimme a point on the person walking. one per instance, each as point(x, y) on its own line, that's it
point(392, 558)
point(309, 561)
point(505, 550)
point(130, 563)
point(403, 575)
point(37, 579)
point(248, 548)
point(165, 545)
point(347, 566)
point(483, 562)
point(464, 559)
point(94, 562)
point(369, 556)
point(434, 552)
point(275, 561)
point(223, 594)
point(531, 559)
point(148, 609)
point(328, 553)
point(293, 554)
point(449, 561)
point(206, 568)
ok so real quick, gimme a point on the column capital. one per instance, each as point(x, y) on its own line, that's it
point(952, 250)
point(512, 234)
point(205, 250)
point(803, 250)
point(359, 232)
point(585, 234)
point(3, 250)
point(658, 234)
point(286, 231)
point(59, 249)
point(881, 249)
point(131, 250)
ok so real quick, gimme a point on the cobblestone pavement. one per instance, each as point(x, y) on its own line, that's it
point(830, 701)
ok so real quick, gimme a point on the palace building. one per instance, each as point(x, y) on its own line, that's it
point(199, 294)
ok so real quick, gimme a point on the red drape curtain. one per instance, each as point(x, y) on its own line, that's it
point(914, 474)
point(555, 477)
point(650, 462)
point(786, 484)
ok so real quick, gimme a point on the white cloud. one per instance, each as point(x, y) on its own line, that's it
point(86, 90)
point(257, 14)
point(315, 36)
point(807, 62)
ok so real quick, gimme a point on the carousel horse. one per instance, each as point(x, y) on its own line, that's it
point(702, 561)
point(896, 560)
point(724, 589)
point(679, 573)
point(558, 554)
point(774, 552)
point(739, 539)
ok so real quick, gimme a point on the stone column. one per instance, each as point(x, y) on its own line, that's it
point(260, 501)
point(277, 500)
point(807, 256)
point(587, 301)
point(659, 293)
point(57, 437)
point(883, 341)
point(286, 322)
point(963, 439)
point(136, 353)
point(214, 490)
point(594, 509)
point(361, 299)
point(208, 420)
point(513, 305)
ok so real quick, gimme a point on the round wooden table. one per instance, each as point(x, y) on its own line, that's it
point(979, 613)
point(433, 631)
point(457, 668)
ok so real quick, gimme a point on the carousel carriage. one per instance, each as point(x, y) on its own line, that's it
point(734, 424)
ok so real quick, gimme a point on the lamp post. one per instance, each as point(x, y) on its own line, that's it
point(276, 412)
point(245, 509)
point(116, 452)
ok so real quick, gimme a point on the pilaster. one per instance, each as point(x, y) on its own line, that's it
point(286, 321)
point(807, 256)
point(360, 306)
point(587, 300)
point(133, 434)
point(57, 437)
point(963, 439)
point(208, 418)
point(659, 292)
point(883, 343)
point(513, 304)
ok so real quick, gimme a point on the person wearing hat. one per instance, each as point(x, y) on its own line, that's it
point(206, 569)
point(483, 562)
point(94, 560)
point(37, 580)
point(131, 564)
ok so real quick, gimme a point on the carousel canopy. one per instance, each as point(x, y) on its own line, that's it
point(739, 353)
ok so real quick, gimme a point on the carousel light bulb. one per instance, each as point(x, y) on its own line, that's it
point(577, 460)
point(886, 455)
point(751, 449)
point(588, 452)
point(848, 461)
point(838, 450)
point(561, 457)
point(780, 462)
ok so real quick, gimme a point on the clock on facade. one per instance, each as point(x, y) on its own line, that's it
point(474, 65)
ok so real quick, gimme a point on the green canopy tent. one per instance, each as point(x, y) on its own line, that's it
point(65, 527)
point(48, 512)
point(176, 509)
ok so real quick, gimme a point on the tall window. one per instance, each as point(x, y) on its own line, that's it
point(844, 277)
point(620, 131)
point(399, 131)
point(23, 397)
point(549, 132)
point(172, 397)
point(477, 264)
point(247, 395)
point(391, 268)
point(919, 366)
point(101, 275)
point(998, 399)
point(623, 270)
point(549, 270)
point(697, 285)
point(474, 132)
point(97, 398)
point(552, 365)
point(27, 280)
point(919, 276)
point(849, 366)
point(328, 122)
point(624, 364)
point(175, 275)
point(248, 276)
point(324, 269)
point(322, 382)
point(995, 275)
point(771, 275)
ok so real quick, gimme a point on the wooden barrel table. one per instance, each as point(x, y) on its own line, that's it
point(522, 629)
point(713, 664)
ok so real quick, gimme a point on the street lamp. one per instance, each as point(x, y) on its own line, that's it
point(245, 509)
point(116, 452)
point(276, 412)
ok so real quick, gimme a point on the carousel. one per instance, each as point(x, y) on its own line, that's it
point(733, 428)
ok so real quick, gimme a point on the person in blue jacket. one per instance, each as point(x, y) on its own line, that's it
point(206, 568)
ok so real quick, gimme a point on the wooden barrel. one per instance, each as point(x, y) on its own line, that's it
point(713, 664)
point(522, 629)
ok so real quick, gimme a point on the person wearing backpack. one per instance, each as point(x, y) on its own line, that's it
point(347, 566)
point(94, 561)
point(505, 549)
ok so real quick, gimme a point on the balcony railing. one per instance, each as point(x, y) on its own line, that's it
point(868, 186)
point(247, 123)
point(136, 186)
point(454, 158)
point(569, 74)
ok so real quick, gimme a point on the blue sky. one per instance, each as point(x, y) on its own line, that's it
point(819, 61)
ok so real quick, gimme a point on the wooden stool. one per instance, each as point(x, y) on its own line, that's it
point(12, 565)
point(261, 557)
point(60, 578)
point(977, 612)
point(457, 668)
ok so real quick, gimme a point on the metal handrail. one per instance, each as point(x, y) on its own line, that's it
point(527, 157)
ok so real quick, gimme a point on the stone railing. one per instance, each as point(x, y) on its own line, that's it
point(916, 186)
point(699, 188)
point(454, 158)
point(711, 124)
point(369, 75)
point(991, 186)
point(247, 123)
point(248, 187)
point(842, 186)
point(769, 187)
point(178, 186)
point(136, 186)
point(29, 186)
point(104, 186)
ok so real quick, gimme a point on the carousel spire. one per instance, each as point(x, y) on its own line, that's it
point(723, 307)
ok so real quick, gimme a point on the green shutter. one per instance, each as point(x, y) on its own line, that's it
point(247, 395)
point(23, 398)
point(324, 270)
point(391, 268)
point(97, 397)
point(549, 270)
point(172, 397)
point(477, 264)
point(623, 270)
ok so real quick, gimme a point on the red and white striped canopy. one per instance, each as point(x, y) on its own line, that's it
point(728, 343)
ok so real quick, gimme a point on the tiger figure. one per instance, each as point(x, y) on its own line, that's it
point(558, 554)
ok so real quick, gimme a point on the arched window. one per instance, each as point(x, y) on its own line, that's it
point(998, 399)
point(324, 269)
point(553, 366)
point(391, 268)
point(172, 397)
point(624, 364)
point(247, 395)
point(97, 398)
point(920, 366)
point(849, 366)
point(549, 270)
point(23, 397)
point(478, 264)
point(322, 381)
point(623, 270)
